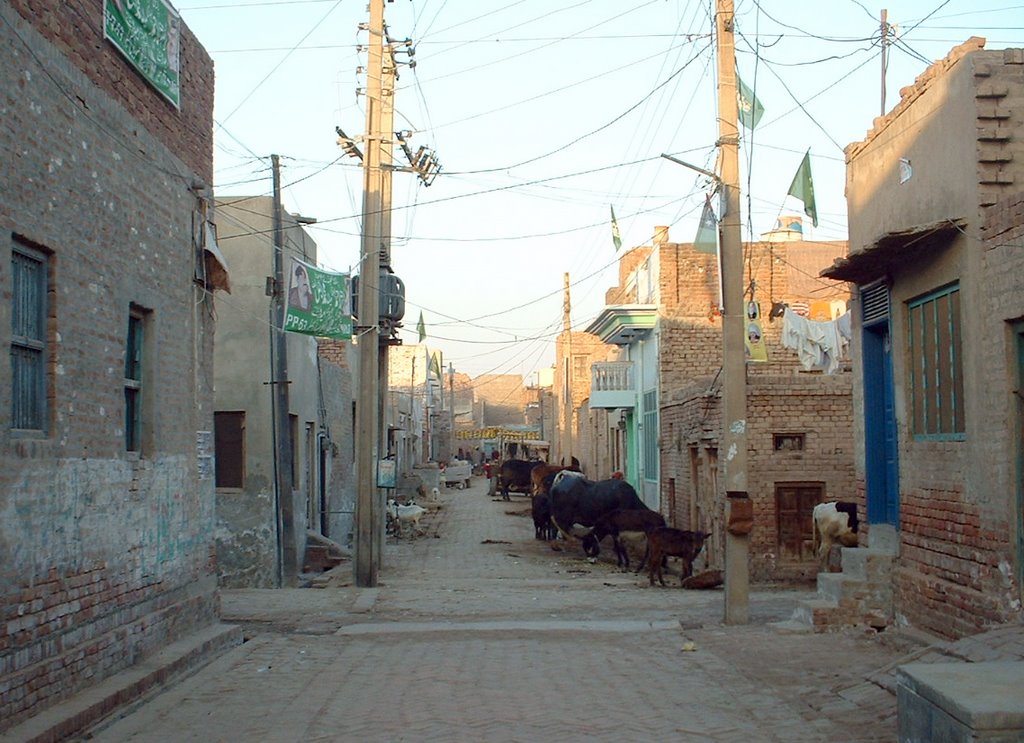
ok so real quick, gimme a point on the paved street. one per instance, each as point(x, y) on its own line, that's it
point(479, 633)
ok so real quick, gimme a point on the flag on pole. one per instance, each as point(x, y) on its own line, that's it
point(706, 240)
point(435, 365)
point(421, 328)
point(802, 188)
point(750, 109)
point(616, 237)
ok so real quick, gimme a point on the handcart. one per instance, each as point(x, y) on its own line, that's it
point(456, 474)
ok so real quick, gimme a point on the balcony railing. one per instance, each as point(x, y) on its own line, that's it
point(612, 385)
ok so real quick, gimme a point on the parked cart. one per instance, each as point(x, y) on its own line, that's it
point(457, 474)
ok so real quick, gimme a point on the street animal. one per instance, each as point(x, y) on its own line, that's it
point(405, 516)
point(541, 512)
point(668, 542)
point(539, 473)
point(834, 522)
point(576, 500)
point(514, 474)
point(621, 524)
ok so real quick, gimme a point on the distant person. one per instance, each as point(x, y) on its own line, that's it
point(301, 296)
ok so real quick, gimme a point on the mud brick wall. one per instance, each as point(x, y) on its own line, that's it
point(105, 555)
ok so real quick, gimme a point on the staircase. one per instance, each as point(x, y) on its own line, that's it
point(859, 595)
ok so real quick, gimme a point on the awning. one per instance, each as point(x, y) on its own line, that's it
point(894, 250)
point(214, 261)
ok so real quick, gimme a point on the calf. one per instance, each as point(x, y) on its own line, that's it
point(668, 542)
point(541, 511)
point(834, 522)
point(620, 523)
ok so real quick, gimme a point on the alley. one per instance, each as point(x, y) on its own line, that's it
point(477, 632)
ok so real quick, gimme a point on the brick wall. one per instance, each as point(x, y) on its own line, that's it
point(75, 30)
point(958, 571)
point(105, 555)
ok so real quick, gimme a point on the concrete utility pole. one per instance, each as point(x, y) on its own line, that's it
point(733, 452)
point(885, 53)
point(369, 508)
point(282, 424)
point(567, 403)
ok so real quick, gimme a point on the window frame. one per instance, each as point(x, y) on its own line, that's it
point(652, 432)
point(935, 365)
point(37, 344)
point(137, 383)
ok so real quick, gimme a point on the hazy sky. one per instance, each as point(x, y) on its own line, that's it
point(543, 114)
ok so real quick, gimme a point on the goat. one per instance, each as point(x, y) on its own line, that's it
point(402, 516)
point(668, 542)
point(618, 524)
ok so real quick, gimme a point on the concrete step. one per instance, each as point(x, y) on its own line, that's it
point(867, 564)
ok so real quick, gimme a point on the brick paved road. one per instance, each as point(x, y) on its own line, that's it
point(479, 633)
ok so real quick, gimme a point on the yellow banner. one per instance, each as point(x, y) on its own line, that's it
point(498, 433)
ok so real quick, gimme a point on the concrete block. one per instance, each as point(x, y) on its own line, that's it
point(961, 702)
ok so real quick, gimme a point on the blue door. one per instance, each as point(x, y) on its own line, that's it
point(881, 440)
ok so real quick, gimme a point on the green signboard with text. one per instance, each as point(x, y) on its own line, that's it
point(148, 34)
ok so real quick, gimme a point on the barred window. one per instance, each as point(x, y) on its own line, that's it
point(936, 365)
point(29, 275)
point(138, 392)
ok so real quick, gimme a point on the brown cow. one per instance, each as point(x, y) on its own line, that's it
point(538, 473)
point(666, 541)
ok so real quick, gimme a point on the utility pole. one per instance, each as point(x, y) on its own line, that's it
point(734, 387)
point(567, 403)
point(451, 409)
point(282, 424)
point(885, 53)
point(369, 508)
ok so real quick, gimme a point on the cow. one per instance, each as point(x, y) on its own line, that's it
point(620, 523)
point(540, 509)
point(668, 542)
point(576, 500)
point(514, 474)
point(538, 475)
point(834, 522)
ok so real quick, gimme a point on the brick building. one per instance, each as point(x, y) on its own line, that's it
point(663, 395)
point(935, 213)
point(575, 351)
point(106, 402)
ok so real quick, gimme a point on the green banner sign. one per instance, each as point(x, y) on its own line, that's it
point(318, 302)
point(148, 34)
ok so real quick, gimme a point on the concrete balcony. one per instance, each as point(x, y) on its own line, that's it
point(612, 385)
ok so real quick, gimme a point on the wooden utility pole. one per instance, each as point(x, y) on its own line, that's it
point(287, 561)
point(733, 452)
point(885, 53)
point(568, 381)
point(369, 505)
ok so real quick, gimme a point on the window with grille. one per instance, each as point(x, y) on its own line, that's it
point(651, 435)
point(936, 365)
point(29, 278)
point(229, 437)
point(133, 382)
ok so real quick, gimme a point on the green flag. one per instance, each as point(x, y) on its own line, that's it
point(421, 328)
point(707, 233)
point(750, 109)
point(616, 237)
point(802, 188)
point(435, 365)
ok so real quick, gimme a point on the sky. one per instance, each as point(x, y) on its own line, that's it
point(544, 117)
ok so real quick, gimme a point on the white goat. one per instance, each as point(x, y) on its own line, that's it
point(402, 516)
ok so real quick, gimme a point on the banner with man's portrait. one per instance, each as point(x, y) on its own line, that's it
point(318, 302)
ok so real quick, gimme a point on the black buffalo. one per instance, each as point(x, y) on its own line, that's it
point(576, 500)
point(514, 474)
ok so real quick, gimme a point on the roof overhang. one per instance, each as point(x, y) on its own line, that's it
point(894, 250)
point(622, 324)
